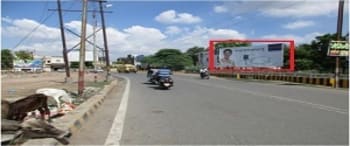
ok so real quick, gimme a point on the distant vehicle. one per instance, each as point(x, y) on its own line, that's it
point(204, 73)
point(61, 70)
point(126, 68)
point(162, 77)
point(97, 70)
point(130, 68)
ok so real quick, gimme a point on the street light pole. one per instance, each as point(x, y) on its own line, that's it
point(82, 49)
point(339, 32)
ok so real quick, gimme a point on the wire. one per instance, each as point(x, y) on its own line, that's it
point(27, 36)
point(40, 23)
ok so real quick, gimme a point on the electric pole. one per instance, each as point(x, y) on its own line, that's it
point(65, 57)
point(94, 40)
point(82, 49)
point(339, 32)
point(104, 39)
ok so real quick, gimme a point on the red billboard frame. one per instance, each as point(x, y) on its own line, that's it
point(291, 52)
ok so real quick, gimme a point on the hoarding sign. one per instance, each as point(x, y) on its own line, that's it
point(338, 48)
point(269, 55)
point(73, 56)
point(36, 63)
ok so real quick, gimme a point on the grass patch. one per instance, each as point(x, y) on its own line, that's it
point(99, 84)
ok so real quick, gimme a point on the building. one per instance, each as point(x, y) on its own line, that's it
point(35, 65)
point(53, 63)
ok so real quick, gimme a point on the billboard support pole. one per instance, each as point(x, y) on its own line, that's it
point(211, 55)
point(291, 56)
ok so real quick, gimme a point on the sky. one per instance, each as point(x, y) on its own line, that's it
point(144, 27)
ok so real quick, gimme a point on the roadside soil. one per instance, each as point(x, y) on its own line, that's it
point(15, 85)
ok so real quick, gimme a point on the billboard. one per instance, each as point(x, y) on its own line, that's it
point(203, 59)
point(36, 63)
point(268, 55)
point(338, 48)
point(73, 56)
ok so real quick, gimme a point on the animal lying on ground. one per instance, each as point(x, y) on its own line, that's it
point(38, 128)
point(33, 128)
point(18, 109)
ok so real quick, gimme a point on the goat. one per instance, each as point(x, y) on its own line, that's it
point(19, 108)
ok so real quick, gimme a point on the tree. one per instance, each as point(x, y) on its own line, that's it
point(322, 61)
point(6, 59)
point(24, 55)
point(314, 56)
point(171, 58)
point(193, 53)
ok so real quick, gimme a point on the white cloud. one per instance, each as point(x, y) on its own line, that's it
point(22, 27)
point(172, 30)
point(307, 38)
point(171, 17)
point(303, 9)
point(132, 40)
point(6, 19)
point(299, 24)
point(220, 9)
point(200, 36)
point(279, 8)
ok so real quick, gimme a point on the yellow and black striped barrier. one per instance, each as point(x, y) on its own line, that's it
point(323, 81)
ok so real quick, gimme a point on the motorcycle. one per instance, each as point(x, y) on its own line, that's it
point(162, 77)
point(165, 82)
point(204, 74)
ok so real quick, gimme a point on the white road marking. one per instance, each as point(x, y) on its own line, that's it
point(319, 106)
point(115, 134)
point(289, 99)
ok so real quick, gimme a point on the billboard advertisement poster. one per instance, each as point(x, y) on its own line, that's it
point(36, 63)
point(203, 59)
point(338, 48)
point(268, 55)
point(73, 56)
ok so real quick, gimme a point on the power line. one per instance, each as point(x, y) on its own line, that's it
point(33, 30)
point(27, 36)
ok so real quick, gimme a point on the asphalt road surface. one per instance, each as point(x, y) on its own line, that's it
point(219, 111)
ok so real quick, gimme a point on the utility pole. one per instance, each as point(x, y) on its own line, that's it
point(65, 57)
point(104, 39)
point(82, 49)
point(94, 40)
point(339, 32)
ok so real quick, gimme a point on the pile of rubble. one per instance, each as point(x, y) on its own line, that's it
point(30, 117)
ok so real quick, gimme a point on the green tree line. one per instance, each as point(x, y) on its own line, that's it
point(311, 56)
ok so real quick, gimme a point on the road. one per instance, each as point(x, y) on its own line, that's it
point(219, 111)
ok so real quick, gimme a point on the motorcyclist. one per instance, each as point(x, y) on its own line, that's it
point(204, 72)
point(149, 71)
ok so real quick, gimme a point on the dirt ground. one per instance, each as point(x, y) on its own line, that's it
point(24, 84)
